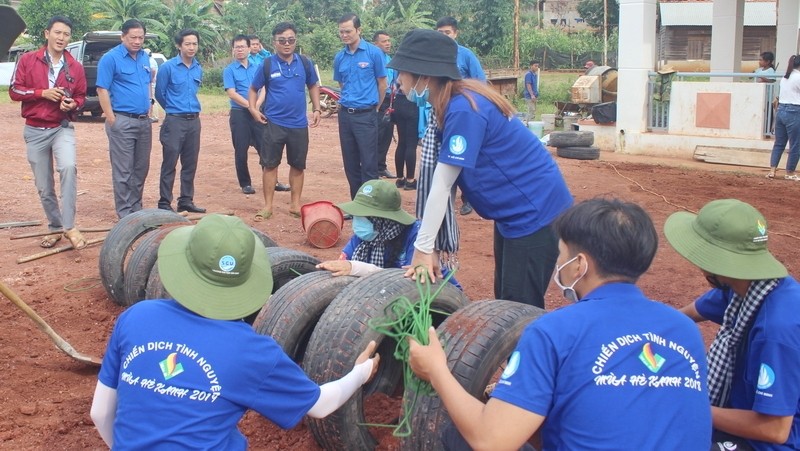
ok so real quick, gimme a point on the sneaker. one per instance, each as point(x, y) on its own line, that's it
point(794, 177)
point(410, 186)
point(400, 183)
point(466, 209)
point(248, 190)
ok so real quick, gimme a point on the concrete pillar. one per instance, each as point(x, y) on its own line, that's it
point(727, 27)
point(637, 57)
point(788, 22)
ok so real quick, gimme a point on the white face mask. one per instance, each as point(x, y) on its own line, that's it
point(569, 292)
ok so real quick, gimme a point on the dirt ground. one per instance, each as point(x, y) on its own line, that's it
point(46, 395)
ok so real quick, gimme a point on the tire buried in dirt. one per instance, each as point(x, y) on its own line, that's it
point(291, 314)
point(579, 153)
point(478, 340)
point(118, 242)
point(343, 327)
point(571, 139)
point(140, 264)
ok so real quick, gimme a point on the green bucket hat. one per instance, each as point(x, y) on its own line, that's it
point(728, 238)
point(378, 198)
point(217, 268)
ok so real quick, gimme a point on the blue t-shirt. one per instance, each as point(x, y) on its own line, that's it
point(391, 74)
point(766, 378)
point(236, 76)
point(358, 73)
point(507, 175)
point(126, 79)
point(183, 381)
point(259, 57)
point(614, 371)
point(531, 79)
point(177, 86)
point(468, 64)
point(285, 104)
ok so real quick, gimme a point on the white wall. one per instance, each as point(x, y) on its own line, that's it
point(746, 112)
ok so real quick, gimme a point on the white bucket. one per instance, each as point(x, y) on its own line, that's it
point(537, 128)
point(549, 121)
point(569, 121)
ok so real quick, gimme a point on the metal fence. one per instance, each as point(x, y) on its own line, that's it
point(658, 111)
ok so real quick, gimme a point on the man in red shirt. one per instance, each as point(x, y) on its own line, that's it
point(51, 85)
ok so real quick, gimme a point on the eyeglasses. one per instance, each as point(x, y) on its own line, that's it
point(284, 41)
point(241, 47)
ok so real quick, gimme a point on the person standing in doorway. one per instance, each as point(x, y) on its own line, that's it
point(51, 85)
point(176, 92)
point(386, 127)
point(123, 89)
point(245, 130)
point(360, 70)
point(532, 90)
point(284, 114)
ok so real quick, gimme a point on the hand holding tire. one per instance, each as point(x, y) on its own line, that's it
point(427, 360)
point(365, 355)
point(337, 267)
point(423, 264)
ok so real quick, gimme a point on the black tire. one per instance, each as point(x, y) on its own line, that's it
point(478, 340)
point(571, 139)
point(344, 327)
point(288, 264)
point(578, 153)
point(293, 311)
point(268, 242)
point(118, 242)
point(155, 289)
point(141, 262)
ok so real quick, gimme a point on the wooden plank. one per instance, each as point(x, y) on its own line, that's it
point(738, 156)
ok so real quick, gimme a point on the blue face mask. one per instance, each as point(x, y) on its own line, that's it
point(363, 228)
point(420, 99)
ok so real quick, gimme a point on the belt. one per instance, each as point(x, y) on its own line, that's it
point(132, 115)
point(185, 115)
point(359, 110)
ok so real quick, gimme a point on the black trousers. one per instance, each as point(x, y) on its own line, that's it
point(406, 116)
point(180, 139)
point(523, 266)
point(385, 131)
point(358, 136)
point(245, 131)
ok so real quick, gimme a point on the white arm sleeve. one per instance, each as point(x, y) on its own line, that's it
point(104, 411)
point(335, 393)
point(361, 269)
point(444, 176)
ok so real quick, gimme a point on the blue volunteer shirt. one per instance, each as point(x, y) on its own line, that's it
point(531, 79)
point(615, 371)
point(358, 73)
point(766, 377)
point(285, 104)
point(177, 86)
point(237, 76)
point(507, 175)
point(259, 57)
point(391, 74)
point(127, 79)
point(468, 64)
point(183, 381)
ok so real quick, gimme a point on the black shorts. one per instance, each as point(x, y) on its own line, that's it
point(295, 140)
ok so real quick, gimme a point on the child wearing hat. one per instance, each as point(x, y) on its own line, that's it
point(754, 361)
point(181, 372)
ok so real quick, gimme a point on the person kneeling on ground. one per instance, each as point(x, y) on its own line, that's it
point(754, 361)
point(383, 233)
point(180, 373)
point(615, 370)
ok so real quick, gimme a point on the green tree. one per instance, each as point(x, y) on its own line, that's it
point(592, 13)
point(38, 12)
point(195, 14)
point(5, 2)
point(111, 14)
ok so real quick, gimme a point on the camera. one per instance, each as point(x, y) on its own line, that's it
point(67, 92)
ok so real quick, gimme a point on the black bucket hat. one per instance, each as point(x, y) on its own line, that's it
point(427, 52)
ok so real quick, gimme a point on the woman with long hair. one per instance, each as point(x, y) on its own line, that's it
point(787, 122)
point(503, 170)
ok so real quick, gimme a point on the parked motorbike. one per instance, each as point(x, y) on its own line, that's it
point(329, 100)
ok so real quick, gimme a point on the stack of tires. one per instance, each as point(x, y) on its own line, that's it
point(576, 145)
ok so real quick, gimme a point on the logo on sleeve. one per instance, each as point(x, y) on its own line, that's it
point(511, 366)
point(458, 144)
point(766, 377)
point(170, 367)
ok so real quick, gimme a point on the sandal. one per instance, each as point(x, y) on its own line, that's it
point(262, 215)
point(294, 214)
point(75, 238)
point(792, 177)
point(771, 175)
point(50, 240)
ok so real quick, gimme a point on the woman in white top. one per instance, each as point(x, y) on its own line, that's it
point(766, 66)
point(787, 123)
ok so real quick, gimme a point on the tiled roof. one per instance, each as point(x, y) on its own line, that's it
point(700, 13)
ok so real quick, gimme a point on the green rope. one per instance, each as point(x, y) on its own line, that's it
point(405, 318)
point(83, 284)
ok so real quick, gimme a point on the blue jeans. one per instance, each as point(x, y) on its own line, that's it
point(787, 128)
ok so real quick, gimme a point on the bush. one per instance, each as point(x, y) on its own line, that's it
point(212, 77)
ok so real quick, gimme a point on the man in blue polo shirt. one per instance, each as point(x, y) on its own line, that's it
point(123, 89)
point(531, 92)
point(360, 70)
point(386, 126)
point(754, 361)
point(284, 113)
point(236, 80)
point(176, 91)
point(614, 370)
